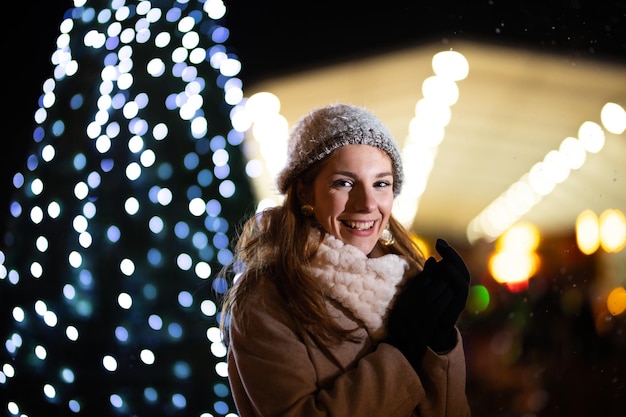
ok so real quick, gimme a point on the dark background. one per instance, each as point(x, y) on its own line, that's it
point(315, 33)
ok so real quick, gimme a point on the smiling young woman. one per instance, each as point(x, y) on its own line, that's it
point(334, 310)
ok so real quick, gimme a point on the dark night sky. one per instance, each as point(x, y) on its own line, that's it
point(330, 31)
point(315, 33)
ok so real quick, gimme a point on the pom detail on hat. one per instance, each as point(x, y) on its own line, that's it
point(328, 128)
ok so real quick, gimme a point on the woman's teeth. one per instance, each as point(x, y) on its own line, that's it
point(359, 225)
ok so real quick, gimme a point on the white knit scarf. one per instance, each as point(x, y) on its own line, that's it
point(365, 286)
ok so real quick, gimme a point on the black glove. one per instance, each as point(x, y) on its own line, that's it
point(417, 311)
point(452, 269)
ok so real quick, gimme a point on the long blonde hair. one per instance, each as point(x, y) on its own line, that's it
point(277, 245)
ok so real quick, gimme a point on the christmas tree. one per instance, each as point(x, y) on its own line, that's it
point(122, 215)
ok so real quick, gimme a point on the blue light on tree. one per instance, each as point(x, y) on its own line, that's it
point(121, 218)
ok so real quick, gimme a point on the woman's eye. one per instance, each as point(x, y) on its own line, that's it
point(382, 184)
point(342, 183)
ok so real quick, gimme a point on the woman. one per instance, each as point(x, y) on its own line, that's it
point(333, 311)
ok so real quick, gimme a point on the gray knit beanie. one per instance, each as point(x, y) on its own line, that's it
point(327, 128)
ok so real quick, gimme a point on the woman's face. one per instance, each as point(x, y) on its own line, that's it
point(353, 195)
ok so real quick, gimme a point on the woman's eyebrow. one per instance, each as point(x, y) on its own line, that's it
point(353, 175)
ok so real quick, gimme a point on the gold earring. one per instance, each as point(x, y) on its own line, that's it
point(307, 209)
point(386, 238)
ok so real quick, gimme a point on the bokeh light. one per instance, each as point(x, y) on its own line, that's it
point(120, 219)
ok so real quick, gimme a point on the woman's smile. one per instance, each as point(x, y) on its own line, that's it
point(358, 225)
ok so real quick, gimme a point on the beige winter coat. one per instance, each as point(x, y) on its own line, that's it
point(274, 371)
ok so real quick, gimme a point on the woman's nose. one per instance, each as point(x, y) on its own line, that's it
point(363, 199)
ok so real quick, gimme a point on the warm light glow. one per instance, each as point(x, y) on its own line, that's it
point(616, 301)
point(574, 152)
point(450, 64)
point(510, 267)
point(587, 232)
point(521, 237)
point(514, 260)
point(262, 104)
point(427, 130)
point(422, 245)
point(613, 118)
point(592, 136)
point(540, 181)
point(440, 91)
point(612, 230)
point(608, 231)
point(270, 132)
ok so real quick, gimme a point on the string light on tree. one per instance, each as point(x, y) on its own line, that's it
point(120, 218)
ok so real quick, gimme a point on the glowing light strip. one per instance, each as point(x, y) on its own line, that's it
point(542, 178)
point(427, 130)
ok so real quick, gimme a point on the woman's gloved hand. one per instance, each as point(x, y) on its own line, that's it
point(416, 312)
point(426, 311)
point(453, 270)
